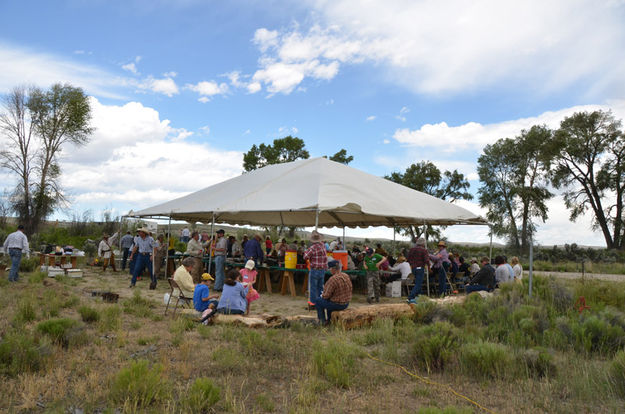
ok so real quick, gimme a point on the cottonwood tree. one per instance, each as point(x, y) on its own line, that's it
point(342, 157)
point(427, 178)
point(38, 124)
point(589, 163)
point(282, 150)
point(514, 178)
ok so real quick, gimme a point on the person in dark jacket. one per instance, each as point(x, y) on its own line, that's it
point(482, 280)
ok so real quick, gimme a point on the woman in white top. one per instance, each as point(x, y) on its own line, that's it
point(518, 270)
point(402, 266)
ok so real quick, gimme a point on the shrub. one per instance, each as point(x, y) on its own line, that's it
point(486, 360)
point(25, 311)
point(59, 329)
point(202, 395)
point(19, 353)
point(436, 345)
point(110, 320)
point(28, 264)
point(336, 361)
point(593, 334)
point(89, 314)
point(36, 277)
point(424, 311)
point(617, 373)
point(538, 362)
point(138, 306)
point(138, 385)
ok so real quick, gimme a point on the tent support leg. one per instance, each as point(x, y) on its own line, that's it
point(394, 253)
point(344, 244)
point(490, 249)
point(210, 256)
point(316, 219)
point(168, 244)
point(425, 270)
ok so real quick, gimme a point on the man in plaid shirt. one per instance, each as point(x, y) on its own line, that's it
point(316, 254)
point(336, 293)
point(418, 257)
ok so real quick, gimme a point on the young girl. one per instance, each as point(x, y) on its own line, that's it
point(248, 275)
point(232, 299)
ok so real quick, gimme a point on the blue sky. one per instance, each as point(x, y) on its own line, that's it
point(180, 89)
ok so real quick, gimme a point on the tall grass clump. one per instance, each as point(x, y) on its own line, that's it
point(25, 310)
point(336, 361)
point(436, 346)
point(538, 362)
point(20, 353)
point(36, 277)
point(262, 343)
point(424, 310)
point(487, 360)
point(89, 314)
point(617, 373)
point(598, 333)
point(110, 319)
point(202, 396)
point(139, 386)
point(59, 330)
point(138, 306)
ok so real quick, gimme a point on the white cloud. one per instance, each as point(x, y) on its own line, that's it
point(283, 130)
point(24, 66)
point(370, 118)
point(475, 135)
point(402, 114)
point(205, 130)
point(166, 86)
point(171, 74)
point(453, 47)
point(132, 157)
point(386, 141)
point(130, 67)
point(206, 90)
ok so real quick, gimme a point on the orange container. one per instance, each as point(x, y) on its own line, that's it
point(342, 256)
point(290, 259)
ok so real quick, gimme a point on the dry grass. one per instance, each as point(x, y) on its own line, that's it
point(303, 369)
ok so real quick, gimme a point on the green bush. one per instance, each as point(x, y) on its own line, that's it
point(138, 385)
point(110, 319)
point(436, 346)
point(202, 395)
point(25, 310)
point(424, 311)
point(36, 277)
point(595, 334)
point(89, 314)
point(617, 373)
point(336, 361)
point(59, 330)
point(138, 306)
point(29, 264)
point(538, 362)
point(20, 353)
point(487, 360)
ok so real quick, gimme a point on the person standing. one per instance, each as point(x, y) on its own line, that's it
point(440, 261)
point(105, 251)
point(268, 245)
point(144, 246)
point(126, 244)
point(316, 253)
point(220, 259)
point(253, 251)
point(184, 235)
point(337, 293)
point(372, 263)
point(160, 251)
point(518, 270)
point(16, 244)
point(418, 257)
point(196, 251)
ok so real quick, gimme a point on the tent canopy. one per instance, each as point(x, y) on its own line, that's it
point(294, 193)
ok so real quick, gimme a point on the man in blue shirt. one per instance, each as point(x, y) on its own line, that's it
point(144, 247)
point(253, 251)
point(126, 244)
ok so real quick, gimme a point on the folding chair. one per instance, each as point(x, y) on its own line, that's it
point(173, 285)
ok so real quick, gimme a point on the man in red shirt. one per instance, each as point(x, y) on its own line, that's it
point(316, 254)
point(418, 258)
point(336, 293)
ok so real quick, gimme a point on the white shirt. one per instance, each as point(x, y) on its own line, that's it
point(185, 232)
point(104, 248)
point(518, 271)
point(16, 240)
point(403, 267)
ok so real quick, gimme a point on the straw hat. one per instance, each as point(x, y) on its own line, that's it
point(442, 243)
point(143, 229)
point(249, 265)
point(315, 236)
point(401, 259)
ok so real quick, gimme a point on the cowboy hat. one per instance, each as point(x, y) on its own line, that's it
point(442, 243)
point(143, 229)
point(315, 236)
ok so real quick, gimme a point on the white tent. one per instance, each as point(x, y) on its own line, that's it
point(312, 192)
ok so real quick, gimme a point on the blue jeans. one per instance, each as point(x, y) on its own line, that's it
point(418, 273)
point(228, 311)
point(442, 280)
point(125, 257)
point(16, 258)
point(474, 288)
point(324, 306)
point(141, 262)
point(315, 284)
point(220, 262)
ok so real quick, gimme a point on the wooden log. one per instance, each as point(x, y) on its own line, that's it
point(365, 315)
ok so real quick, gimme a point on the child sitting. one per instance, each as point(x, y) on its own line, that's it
point(203, 301)
point(248, 275)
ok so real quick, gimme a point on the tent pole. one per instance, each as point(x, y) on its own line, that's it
point(210, 256)
point(316, 219)
point(426, 270)
point(394, 241)
point(344, 244)
point(490, 251)
point(168, 238)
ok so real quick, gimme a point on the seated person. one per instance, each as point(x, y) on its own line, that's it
point(464, 272)
point(203, 301)
point(183, 278)
point(248, 275)
point(484, 279)
point(232, 301)
point(401, 266)
point(337, 292)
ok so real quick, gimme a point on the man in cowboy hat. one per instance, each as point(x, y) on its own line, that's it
point(144, 247)
point(440, 265)
point(105, 251)
point(316, 254)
